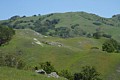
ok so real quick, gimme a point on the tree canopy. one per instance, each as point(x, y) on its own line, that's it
point(6, 34)
point(110, 45)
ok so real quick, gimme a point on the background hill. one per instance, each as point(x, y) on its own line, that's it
point(70, 52)
point(70, 24)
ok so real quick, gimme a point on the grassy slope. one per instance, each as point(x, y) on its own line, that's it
point(14, 74)
point(73, 55)
point(82, 18)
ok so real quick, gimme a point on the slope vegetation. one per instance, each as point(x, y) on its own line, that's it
point(70, 53)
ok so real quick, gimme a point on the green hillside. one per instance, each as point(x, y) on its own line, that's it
point(84, 23)
point(72, 55)
point(66, 40)
point(14, 74)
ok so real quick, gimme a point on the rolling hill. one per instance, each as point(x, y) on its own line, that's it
point(72, 55)
point(84, 23)
point(64, 53)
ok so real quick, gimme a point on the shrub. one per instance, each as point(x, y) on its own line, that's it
point(89, 35)
point(34, 15)
point(31, 20)
point(110, 45)
point(87, 73)
point(94, 48)
point(47, 67)
point(24, 16)
point(66, 74)
point(97, 23)
point(14, 17)
point(78, 76)
point(64, 32)
point(97, 35)
point(107, 35)
point(11, 61)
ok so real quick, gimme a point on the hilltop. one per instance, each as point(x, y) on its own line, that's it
point(70, 24)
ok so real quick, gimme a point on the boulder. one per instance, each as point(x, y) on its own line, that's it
point(41, 71)
point(53, 74)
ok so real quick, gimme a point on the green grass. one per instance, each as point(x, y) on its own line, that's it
point(75, 53)
point(14, 74)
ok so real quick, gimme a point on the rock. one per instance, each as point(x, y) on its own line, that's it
point(53, 43)
point(53, 74)
point(41, 71)
point(37, 42)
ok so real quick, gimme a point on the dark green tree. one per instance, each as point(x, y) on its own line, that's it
point(64, 32)
point(110, 45)
point(78, 31)
point(44, 27)
point(106, 35)
point(6, 34)
point(87, 73)
point(14, 17)
point(97, 23)
point(78, 76)
point(97, 35)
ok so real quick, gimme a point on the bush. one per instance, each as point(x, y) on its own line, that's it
point(107, 35)
point(24, 16)
point(97, 35)
point(55, 21)
point(94, 48)
point(66, 74)
point(34, 15)
point(14, 17)
point(87, 73)
point(75, 25)
point(31, 20)
point(47, 67)
point(110, 45)
point(78, 76)
point(11, 61)
point(89, 35)
point(97, 23)
point(64, 32)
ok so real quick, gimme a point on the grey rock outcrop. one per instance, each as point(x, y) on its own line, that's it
point(53, 74)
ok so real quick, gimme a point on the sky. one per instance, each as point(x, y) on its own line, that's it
point(103, 8)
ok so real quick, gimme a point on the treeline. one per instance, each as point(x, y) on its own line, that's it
point(48, 28)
